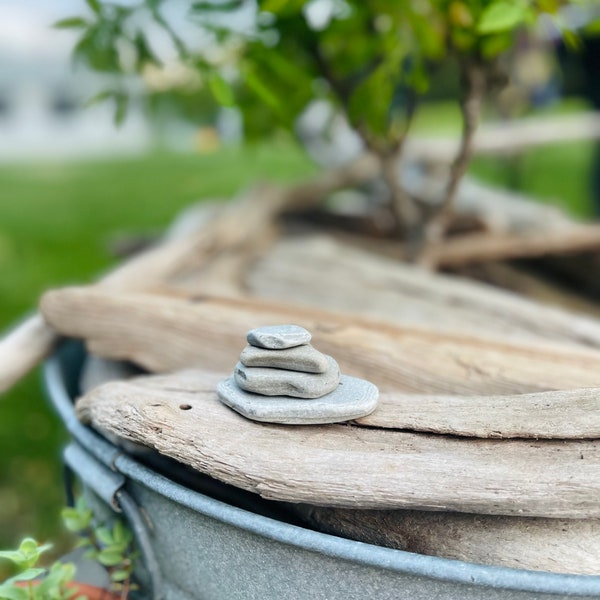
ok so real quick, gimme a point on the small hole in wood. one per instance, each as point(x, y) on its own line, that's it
point(185, 407)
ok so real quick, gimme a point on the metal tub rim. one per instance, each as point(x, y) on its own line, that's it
point(56, 384)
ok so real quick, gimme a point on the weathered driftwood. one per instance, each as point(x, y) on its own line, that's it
point(558, 414)
point(346, 466)
point(165, 333)
point(557, 545)
point(500, 210)
point(319, 271)
point(483, 247)
point(532, 284)
point(23, 348)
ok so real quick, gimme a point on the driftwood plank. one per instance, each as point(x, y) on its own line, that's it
point(346, 466)
point(166, 334)
point(559, 414)
point(319, 271)
point(484, 247)
point(556, 545)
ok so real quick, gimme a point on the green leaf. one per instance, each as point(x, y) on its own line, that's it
point(53, 585)
point(571, 39)
point(95, 99)
point(262, 90)
point(221, 90)
point(121, 107)
point(104, 535)
point(27, 555)
point(371, 101)
point(502, 15)
point(120, 575)
point(94, 5)
point(14, 556)
point(73, 520)
point(216, 6)
point(144, 51)
point(10, 592)
point(121, 534)
point(28, 575)
point(493, 45)
point(110, 558)
point(592, 28)
point(71, 23)
point(274, 6)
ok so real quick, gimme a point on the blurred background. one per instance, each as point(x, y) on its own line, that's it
point(76, 190)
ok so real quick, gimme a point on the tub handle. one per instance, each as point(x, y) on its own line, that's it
point(109, 486)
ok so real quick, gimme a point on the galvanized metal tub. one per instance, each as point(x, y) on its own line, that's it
point(197, 547)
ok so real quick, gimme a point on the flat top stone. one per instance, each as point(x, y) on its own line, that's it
point(276, 337)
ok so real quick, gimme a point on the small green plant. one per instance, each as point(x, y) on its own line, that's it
point(53, 586)
point(111, 546)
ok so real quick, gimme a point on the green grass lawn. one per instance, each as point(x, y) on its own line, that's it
point(55, 220)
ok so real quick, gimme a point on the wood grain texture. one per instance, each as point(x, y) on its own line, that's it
point(539, 544)
point(320, 271)
point(165, 334)
point(562, 414)
point(346, 466)
point(483, 247)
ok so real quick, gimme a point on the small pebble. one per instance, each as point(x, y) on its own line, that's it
point(303, 358)
point(352, 399)
point(277, 337)
point(279, 382)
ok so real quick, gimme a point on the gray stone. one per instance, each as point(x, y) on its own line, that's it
point(278, 382)
point(303, 358)
point(276, 337)
point(352, 399)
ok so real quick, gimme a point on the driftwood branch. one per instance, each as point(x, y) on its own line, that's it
point(559, 414)
point(484, 247)
point(323, 272)
point(23, 348)
point(474, 78)
point(165, 334)
point(346, 466)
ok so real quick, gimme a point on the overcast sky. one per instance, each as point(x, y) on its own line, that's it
point(26, 27)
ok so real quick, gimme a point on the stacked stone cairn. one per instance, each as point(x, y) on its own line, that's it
point(281, 378)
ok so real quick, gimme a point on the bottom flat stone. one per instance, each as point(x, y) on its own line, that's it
point(353, 398)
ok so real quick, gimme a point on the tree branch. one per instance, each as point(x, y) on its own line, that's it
point(474, 77)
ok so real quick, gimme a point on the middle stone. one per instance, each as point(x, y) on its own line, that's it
point(279, 382)
point(303, 358)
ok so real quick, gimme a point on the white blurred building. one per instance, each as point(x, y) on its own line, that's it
point(42, 96)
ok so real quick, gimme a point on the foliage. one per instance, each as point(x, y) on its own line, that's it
point(111, 547)
point(53, 586)
point(370, 59)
